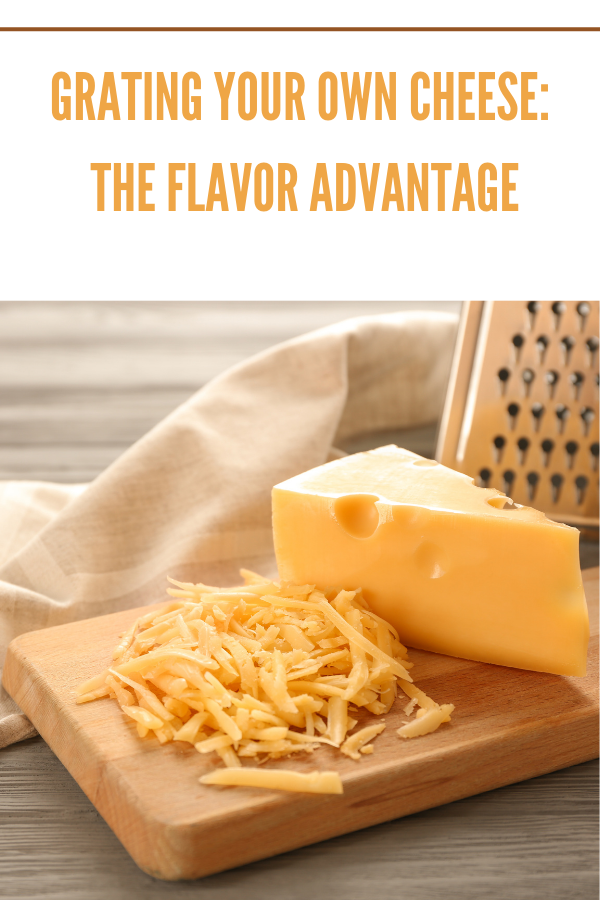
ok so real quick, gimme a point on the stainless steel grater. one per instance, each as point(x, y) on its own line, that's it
point(521, 410)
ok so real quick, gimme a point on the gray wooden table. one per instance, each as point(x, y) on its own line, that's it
point(78, 384)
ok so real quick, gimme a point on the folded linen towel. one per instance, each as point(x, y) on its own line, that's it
point(192, 498)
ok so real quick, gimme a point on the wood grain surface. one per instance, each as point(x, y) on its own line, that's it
point(79, 382)
point(509, 724)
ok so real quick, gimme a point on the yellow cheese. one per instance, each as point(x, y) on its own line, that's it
point(442, 560)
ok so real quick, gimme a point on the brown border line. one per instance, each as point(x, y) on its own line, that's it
point(267, 28)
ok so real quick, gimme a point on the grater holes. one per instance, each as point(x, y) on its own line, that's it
point(518, 342)
point(485, 476)
point(508, 479)
point(567, 344)
point(558, 311)
point(537, 411)
point(542, 343)
point(522, 448)
point(547, 448)
point(498, 443)
point(587, 415)
point(583, 311)
point(533, 308)
point(513, 410)
point(576, 379)
point(503, 376)
point(562, 413)
point(551, 378)
point(592, 349)
point(528, 376)
point(546, 401)
point(532, 483)
point(581, 483)
point(556, 483)
point(571, 448)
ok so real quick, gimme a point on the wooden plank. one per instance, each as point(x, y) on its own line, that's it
point(130, 345)
point(509, 725)
point(81, 381)
point(535, 840)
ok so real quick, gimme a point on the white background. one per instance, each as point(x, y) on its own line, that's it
point(56, 246)
point(309, 12)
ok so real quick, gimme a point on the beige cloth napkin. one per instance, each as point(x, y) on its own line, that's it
point(192, 498)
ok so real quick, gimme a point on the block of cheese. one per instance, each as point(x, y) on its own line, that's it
point(457, 569)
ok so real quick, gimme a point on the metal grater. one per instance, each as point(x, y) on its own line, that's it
point(521, 411)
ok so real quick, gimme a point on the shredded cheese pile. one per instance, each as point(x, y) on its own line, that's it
point(261, 672)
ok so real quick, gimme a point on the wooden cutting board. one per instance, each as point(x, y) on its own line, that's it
point(509, 724)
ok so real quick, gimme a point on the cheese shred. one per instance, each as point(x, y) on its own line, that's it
point(308, 782)
point(262, 671)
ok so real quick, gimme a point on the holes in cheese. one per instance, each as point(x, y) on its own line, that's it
point(357, 514)
point(502, 502)
point(458, 569)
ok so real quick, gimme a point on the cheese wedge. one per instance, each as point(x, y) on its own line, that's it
point(457, 569)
